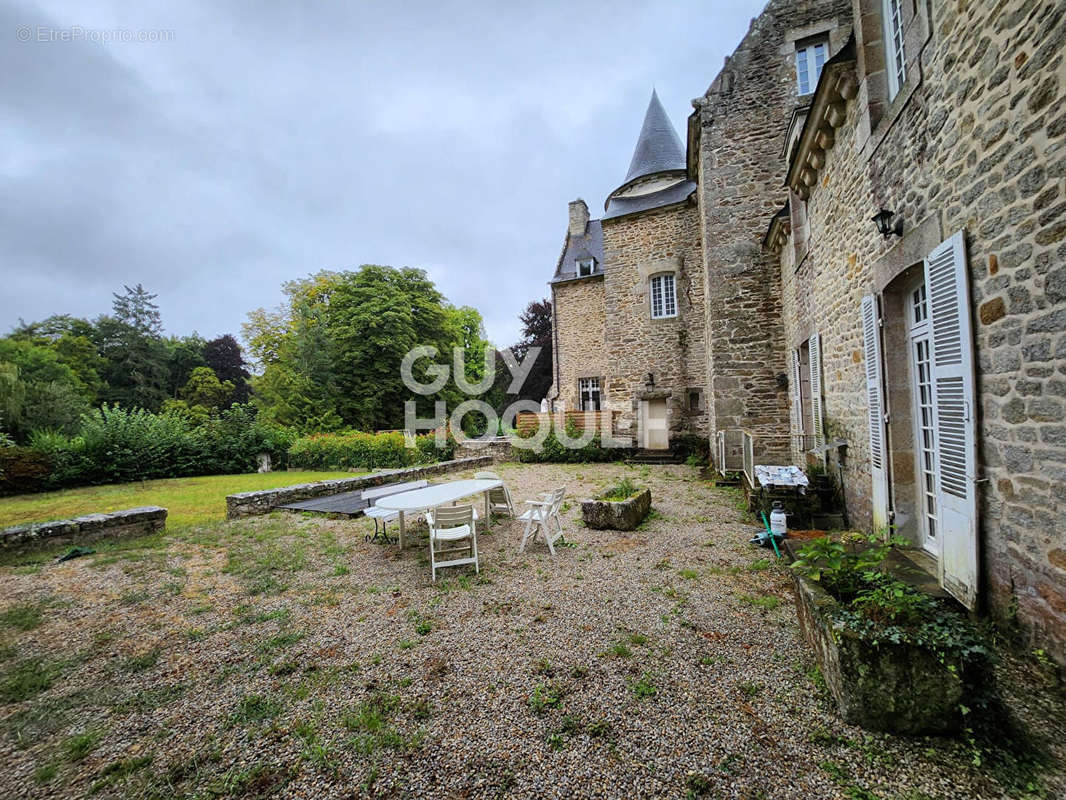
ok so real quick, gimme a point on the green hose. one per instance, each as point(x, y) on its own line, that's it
point(770, 533)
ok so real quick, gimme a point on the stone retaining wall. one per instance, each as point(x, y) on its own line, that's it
point(250, 504)
point(115, 524)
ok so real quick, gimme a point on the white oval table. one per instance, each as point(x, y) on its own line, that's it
point(434, 496)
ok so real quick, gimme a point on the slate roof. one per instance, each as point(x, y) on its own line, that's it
point(590, 245)
point(620, 206)
point(659, 148)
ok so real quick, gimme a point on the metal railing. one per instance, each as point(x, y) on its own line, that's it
point(729, 451)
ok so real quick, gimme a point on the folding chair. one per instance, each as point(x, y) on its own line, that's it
point(452, 529)
point(500, 497)
point(542, 515)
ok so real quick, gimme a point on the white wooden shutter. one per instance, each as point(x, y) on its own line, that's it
point(875, 409)
point(797, 394)
point(954, 429)
point(816, 393)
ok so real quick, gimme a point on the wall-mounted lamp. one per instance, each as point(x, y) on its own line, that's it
point(649, 382)
point(883, 220)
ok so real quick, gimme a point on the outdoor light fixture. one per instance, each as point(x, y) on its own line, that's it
point(649, 382)
point(883, 220)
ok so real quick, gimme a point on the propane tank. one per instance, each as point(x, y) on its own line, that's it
point(778, 523)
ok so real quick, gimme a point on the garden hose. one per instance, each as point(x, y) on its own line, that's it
point(770, 533)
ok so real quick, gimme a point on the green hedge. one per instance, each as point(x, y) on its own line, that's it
point(555, 452)
point(115, 445)
point(358, 450)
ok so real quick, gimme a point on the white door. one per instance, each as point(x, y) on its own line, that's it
point(656, 436)
point(952, 372)
point(920, 347)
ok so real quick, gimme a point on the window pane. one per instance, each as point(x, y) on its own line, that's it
point(801, 71)
point(669, 297)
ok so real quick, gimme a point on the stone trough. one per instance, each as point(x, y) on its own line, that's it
point(617, 515)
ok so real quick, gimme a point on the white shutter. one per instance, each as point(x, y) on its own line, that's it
point(797, 394)
point(816, 393)
point(954, 429)
point(875, 409)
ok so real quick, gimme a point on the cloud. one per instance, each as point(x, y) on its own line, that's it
point(263, 142)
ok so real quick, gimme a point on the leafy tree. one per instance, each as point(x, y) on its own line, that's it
point(205, 389)
point(183, 355)
point(224, 356)
point(37, 390)
point(536, 332)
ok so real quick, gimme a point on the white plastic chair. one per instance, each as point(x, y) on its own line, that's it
point(448, 527)
point(541, 516)
point(500, 497)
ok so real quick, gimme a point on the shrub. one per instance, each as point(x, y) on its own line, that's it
point(554, 451)
point(23, 469)
point(359, 450)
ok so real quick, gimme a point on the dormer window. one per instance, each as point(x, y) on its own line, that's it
point(663, 296)
point(810, 57)
point(585, 266)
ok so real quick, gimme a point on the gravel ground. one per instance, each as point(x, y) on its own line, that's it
point(284, 656)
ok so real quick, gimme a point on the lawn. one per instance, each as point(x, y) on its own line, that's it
point(189, 501)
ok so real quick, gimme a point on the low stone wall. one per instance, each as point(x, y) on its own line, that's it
point(499, 449)
point(91, 527)
point(250, 504)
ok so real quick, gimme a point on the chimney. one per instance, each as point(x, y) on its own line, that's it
point(579, 217)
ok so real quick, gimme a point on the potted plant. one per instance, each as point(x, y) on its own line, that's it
point(621, 507)
point(893, 658)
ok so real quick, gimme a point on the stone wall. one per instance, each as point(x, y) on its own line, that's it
point(671, 349)
point(580, 352)
point(975, 141)
point(250, 504)
point(82, 530)
point(736, 139)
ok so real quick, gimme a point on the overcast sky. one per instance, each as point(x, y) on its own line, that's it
point(259, 142)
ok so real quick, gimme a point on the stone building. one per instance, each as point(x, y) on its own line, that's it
point(628, 299)
point(866, 243)
point(936, 350)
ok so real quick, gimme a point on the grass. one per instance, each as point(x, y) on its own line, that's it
point(189, 501)
point(27, 679)
point(23, 617)
point(767, 602)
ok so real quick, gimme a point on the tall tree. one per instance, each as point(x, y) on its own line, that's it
point(137, 371)
point(136, 309)
point(224, 356)
point(536, 332)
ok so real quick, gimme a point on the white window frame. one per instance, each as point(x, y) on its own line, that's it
point(662, 295)
point(590, 386)
point(807, 55)
point(895, 57)
point(585, 267)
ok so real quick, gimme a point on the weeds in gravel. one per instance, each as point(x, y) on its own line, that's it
point(644, 688)
point(372, 721)
point(257, 781)
point(261, 564)
point(28, 679)
point(255, 708)
point(697, 784)
point(765, 602)
point(78, 746)
point(45, 773)
point(545, 697)
point(280, 641)
point(749, 688)
point(148, 699)
point(119, 770)
point(23, 616)
point(620, 650)
point(143, 661)
point(600, 729)
point(689, 574)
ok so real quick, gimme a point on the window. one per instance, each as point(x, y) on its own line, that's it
point(895, 63)
point(588, 390)
point(694, 401)
point(809, 60)
point(585, 266)
point(663, 296)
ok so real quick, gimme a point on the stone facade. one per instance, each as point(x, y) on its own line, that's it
point(736, 138)
point(579, 317)
point(671, 349)
point(974, 141)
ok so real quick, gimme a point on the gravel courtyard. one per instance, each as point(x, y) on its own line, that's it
point(286, 657)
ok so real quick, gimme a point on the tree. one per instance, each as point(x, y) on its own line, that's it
point(536, 332)
point(37, 390)
point(205, 389)
point(136, 309)
point(224, 356)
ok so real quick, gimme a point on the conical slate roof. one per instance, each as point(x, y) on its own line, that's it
point(659, 148)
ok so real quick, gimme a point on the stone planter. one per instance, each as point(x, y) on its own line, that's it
point(897, 688)
point(617, 515)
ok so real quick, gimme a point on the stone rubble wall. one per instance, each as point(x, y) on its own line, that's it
point(975, 141)
point(250, 504)
point(741, 123)
point(82, 530)
point(672, 349)
point(580, 344)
